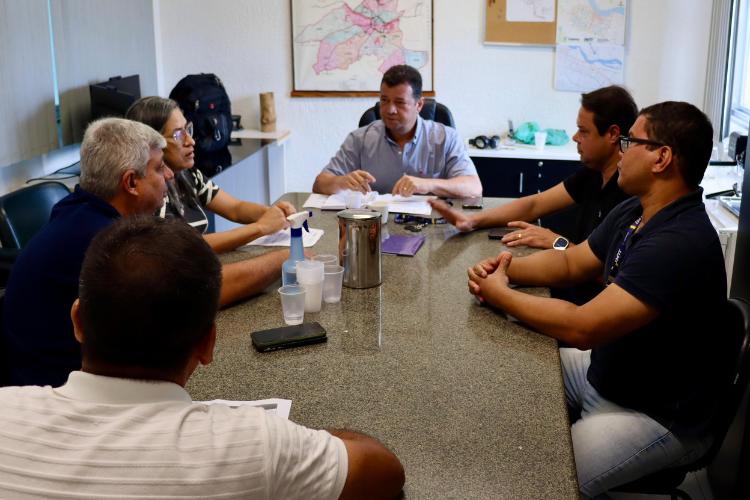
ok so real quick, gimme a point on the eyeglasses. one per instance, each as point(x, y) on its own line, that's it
point(180, 135)
point(625, 142)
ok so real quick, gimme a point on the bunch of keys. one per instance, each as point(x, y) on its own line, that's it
point(415, 223)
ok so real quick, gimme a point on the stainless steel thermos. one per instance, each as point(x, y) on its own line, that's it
point(359, 247)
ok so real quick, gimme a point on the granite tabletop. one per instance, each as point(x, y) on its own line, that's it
point(473, 404)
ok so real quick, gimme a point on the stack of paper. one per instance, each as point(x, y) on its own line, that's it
point(338, 201)
point(278, 407)
point(415, 205)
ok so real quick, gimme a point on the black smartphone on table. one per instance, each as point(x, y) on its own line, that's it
point(497, 233)
point(288, 336)
point(473, 202)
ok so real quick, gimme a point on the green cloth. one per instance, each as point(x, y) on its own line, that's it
point(525, 134)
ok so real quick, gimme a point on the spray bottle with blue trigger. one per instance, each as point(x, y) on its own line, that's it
point(297, 250)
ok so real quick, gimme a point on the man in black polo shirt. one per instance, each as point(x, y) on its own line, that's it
point(642, 389)
point(604, 115)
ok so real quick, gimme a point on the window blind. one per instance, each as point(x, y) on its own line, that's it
point(28, 124)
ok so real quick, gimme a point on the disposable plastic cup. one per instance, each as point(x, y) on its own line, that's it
point(312, 268)
point(540, 138)
point(382, 207)
point(293, 303)
point(353, 199)
point(310, 274)
point(327, 259)
point(334, 276)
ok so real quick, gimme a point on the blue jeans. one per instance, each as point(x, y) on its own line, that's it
point(614, 445)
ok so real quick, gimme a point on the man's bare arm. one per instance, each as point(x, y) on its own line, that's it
point(250, 277)
point(457, 187)
point(375, 473)
point(557, 268)
point(610, 315)
point(328, 183)
point(528, 209)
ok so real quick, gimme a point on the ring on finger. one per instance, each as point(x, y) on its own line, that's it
point(520, 236)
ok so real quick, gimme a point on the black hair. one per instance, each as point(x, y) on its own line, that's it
point(155, 111)
point(687, 130)
point(611, 105)
point(402, 73)
point(149, 293)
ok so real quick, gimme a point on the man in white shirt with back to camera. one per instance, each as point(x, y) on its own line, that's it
point(124, 426)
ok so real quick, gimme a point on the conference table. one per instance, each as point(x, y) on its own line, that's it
point(471, 401)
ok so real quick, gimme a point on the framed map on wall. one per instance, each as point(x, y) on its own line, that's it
point(343, 48)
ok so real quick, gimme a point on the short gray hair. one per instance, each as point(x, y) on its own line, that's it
point(111, 147)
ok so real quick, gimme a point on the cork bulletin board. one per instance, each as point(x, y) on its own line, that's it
point(499, 31)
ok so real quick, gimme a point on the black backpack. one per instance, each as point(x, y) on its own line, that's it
point(204, 102)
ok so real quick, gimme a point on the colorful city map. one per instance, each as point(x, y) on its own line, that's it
point(343, 46)
point(590, 44)
point(582, 68)
point(591, 21)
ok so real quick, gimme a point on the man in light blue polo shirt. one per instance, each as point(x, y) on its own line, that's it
point(402, 154)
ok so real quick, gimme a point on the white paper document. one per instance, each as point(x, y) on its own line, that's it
point(284, 238)
point(278, 407)
point(338, 201)
point(415, 205)
point(315, 200)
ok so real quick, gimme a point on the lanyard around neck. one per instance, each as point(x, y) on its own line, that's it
point(621, 251)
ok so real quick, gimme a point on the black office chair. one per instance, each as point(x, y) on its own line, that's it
point(22, 214)
point(667, 482)
point(431, 110)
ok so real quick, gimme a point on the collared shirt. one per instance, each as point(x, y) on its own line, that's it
point(595, 201)
point(105, 437)
point(671, 368)
point(594, 204)
point(436, 152)
point(204, 189)
point(42, 287)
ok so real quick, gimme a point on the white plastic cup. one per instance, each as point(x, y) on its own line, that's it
point(327, 259)
point(334, 276)
point(353, 199)
point(540, 139)
point(382, 207)
point(310, 274)
point(293, 303)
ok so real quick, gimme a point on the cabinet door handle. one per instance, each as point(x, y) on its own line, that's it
point(520, 183)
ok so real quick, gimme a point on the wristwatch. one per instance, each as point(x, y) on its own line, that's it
point(560, 243)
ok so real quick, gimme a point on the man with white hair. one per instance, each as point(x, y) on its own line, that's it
point(122, 174)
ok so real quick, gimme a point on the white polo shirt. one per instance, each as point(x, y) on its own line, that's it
point(111, 438)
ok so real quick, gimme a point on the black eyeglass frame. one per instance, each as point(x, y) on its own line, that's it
point(625, 142)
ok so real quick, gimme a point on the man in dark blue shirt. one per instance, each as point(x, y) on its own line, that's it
point(643, 387)
point(122, 174)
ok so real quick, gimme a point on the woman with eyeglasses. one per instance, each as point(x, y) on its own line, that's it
point(189, 194)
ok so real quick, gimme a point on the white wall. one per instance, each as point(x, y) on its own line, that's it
point(247, 44)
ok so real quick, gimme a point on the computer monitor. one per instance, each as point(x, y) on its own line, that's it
point(114, 97)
